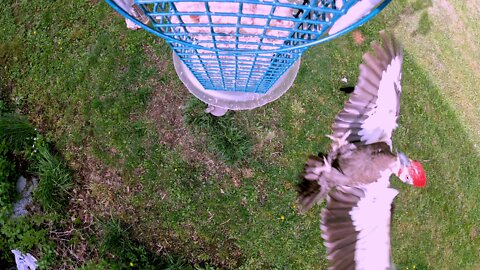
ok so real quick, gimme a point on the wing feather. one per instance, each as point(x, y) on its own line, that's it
point(356, 226)
point(367, 85)
point(372, 110)
point(372, 62)
point(370, 71)
point(348, 117)
point(381, 53)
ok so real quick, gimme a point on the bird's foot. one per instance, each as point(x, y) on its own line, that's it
point(314, 168)
point(338, 143)
point(327, 167)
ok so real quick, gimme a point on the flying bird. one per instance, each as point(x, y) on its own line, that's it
point(354, 176)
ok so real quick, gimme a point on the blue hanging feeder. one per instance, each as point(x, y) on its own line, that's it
point(241, 54)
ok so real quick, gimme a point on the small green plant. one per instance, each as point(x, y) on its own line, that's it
point(3, 107)
point(7, 181)
point(94, 265)
point(55, 180)
point(26, 234)
point(116, 241)
point(230, 141)
point(16, 130)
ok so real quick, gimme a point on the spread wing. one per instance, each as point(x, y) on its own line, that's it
point(372, 110)
point(356, 227)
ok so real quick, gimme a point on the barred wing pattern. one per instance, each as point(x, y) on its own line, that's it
point(372, 110)
point(356, 226)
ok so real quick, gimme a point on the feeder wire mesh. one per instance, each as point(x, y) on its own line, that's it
point(243, 45)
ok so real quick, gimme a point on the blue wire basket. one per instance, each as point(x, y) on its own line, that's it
point(243, 45)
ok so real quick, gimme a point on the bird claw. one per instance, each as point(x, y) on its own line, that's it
point(338, 143)
point(327, 167)
point(313, 172)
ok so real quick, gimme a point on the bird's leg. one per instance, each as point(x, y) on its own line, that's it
point(338, 143)
point(324, 187)
point(327, 167)
point(315, 167)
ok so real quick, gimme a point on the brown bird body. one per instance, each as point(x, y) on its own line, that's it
point(350, 165)
point(375, 158)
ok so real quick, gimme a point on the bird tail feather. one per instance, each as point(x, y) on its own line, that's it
point(313, 188)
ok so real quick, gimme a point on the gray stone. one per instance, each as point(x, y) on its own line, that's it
point(20, 207)
point(25, 188)
point(21, 184)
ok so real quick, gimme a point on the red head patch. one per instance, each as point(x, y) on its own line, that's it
point(417, 173)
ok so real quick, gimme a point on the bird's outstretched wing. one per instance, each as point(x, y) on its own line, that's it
point(356, 227)
point(372, 110)
point(310, 190)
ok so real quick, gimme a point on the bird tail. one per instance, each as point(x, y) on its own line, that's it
point(313, 187)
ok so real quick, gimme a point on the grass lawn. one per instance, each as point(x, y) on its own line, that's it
point(220, 192)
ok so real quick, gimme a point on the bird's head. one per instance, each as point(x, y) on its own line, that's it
point(411, 171)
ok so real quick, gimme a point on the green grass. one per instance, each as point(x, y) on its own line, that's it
point(88, 83)
point(55, 181)
point(16, 131)
point(424, 24)
point(224, 136)
point(447, 51)
point(8, 176)
point(26, 233)
point(29, 235)
point(121, 251)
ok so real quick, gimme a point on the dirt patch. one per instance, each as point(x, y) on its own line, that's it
point(71, 237)
point(98, 194)
point(269, 146)
point(358, 37)
point(165, 106)
point(190, 244)
point(165, 111)
point(474, 233)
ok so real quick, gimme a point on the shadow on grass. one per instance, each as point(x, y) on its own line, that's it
point(429, 228)
point(121, 251)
